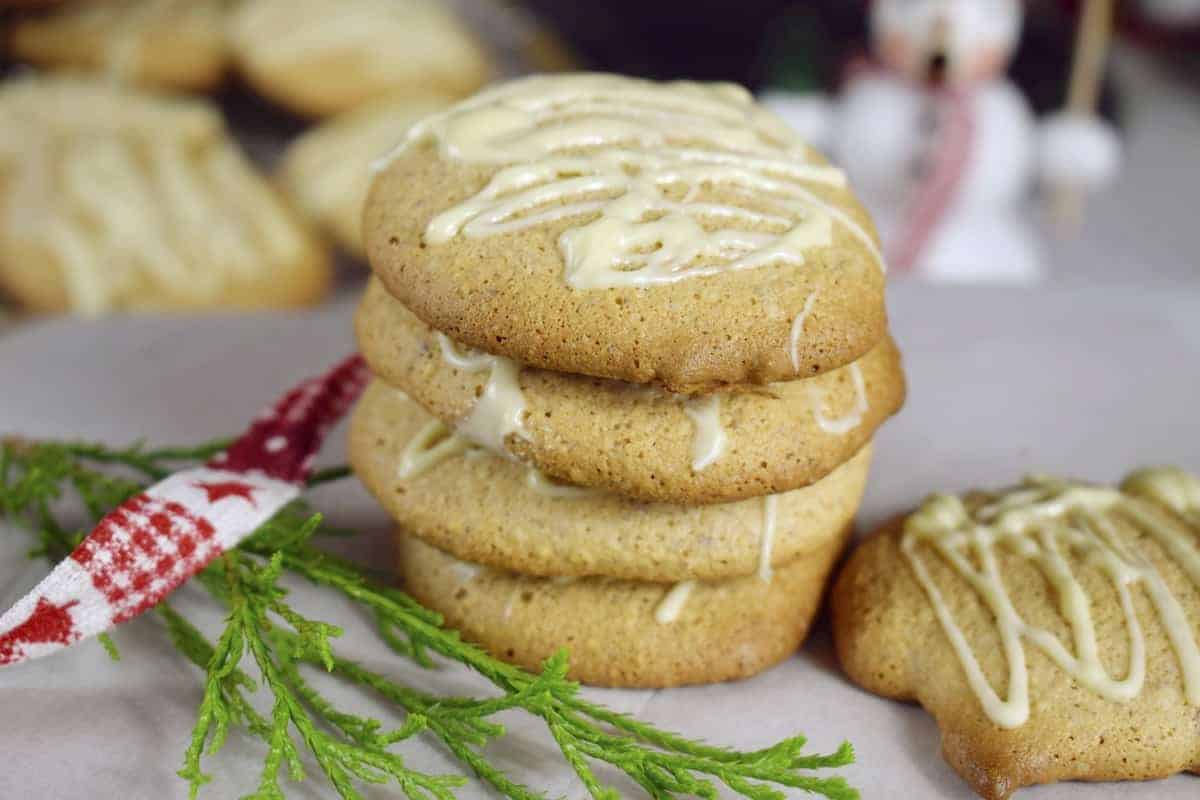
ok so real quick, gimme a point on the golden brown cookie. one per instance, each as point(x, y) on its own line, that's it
point(649, 232)
point(116, 199)
point(643, 442)
point(1051, 629)
point(167, 44)
point(489, 510)
point(624, 633)
point(320, 57)
point(325, 170)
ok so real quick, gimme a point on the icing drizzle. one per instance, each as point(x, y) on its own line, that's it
point(798, 330)
point(1043, 521)
point(662, 182)
point(436, 442)
point(671, 606)
point(770, 508)
point(710, 441)
point(430, 446)
point(464, 571)
point(500, 410)
point(839, 426)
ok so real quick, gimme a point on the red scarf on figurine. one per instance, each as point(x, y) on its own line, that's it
point(946, 162)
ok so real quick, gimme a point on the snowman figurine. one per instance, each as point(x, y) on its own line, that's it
point(943, 149)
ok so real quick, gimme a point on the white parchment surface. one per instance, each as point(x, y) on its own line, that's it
point(1079, 381)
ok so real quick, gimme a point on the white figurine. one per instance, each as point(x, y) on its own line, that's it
point(943, 149)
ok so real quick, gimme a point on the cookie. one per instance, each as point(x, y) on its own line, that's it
point(624, 633)
point(1050, 629)
point(639, 441)
point(115, 199)
point(669, 233)
point(320, 57)
point(165, 44)
point(490, 510)
point(324, 171)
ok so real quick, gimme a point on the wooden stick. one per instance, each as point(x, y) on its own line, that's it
point(1083, 95)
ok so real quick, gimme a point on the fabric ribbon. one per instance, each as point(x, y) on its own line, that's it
point(154, 542)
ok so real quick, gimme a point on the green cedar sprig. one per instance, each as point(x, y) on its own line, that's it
point(265, 644)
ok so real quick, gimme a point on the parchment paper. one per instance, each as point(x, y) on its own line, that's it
point(1087, 382)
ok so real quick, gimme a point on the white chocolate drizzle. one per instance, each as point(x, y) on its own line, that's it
point(839, 426)
point(511, 605)
point(661, 182)
point(500, 410)
point(798, 330)
point(671, 606)
point(1174, 488)
point(1044, 521)
point(430, 446)
point(435, 442)
point(767, 545)
point(465, 571)
point(710, 440)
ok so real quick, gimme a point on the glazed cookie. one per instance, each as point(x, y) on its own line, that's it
point(489, 510)
point(638, 441)
point(320, 57)
point(114, 199)
point(673, 233)
point(325, 171)
point(1050, 629)
point(625, 633)
point(168, 44)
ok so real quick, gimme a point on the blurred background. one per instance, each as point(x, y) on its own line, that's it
point(994, 141)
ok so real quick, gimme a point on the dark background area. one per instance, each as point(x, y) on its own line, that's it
point(781, 43)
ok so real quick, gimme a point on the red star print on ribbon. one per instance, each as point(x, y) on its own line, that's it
point(219, 490)
point(152, 543)
point(49, 624)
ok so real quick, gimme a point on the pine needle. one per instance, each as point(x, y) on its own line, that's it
point(265, 636)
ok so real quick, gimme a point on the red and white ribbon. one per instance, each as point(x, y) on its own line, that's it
point(154, 542)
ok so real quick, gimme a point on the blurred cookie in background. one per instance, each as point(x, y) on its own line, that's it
point(114, 199)
point(320, 57)
point(326, 171)
point(164, 44)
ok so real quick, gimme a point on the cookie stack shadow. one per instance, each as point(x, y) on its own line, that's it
point(660, 509)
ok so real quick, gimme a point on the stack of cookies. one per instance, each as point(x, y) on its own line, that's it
point(631, 351)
